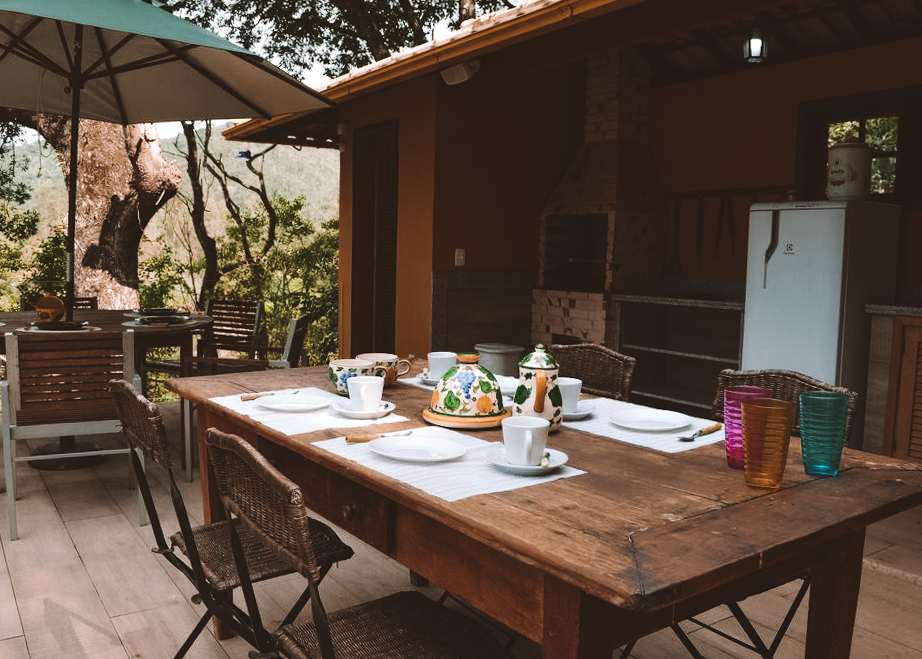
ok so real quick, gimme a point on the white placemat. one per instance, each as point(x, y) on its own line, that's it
point(467, 476)
point(295, 423)
point(416, 382)
point(667, 442)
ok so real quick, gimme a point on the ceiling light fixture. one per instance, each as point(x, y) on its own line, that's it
point(755, 46)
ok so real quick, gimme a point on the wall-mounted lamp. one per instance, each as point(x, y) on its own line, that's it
point(755, 45)
point(459, 73)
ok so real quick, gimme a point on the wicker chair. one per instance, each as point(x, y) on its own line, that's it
point(603, 371)
point(209, 560)
point(784, 385)
point(405, 625)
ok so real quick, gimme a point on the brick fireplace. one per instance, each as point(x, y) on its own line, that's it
point(603, 230)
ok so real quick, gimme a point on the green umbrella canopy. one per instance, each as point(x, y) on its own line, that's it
point(125, 61)
point(139, 64)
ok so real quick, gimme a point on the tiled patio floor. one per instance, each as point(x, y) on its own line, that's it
point(82, 582)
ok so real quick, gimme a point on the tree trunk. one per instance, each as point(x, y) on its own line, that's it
point(122, 181)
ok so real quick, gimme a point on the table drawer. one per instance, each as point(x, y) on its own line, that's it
point(356, 509)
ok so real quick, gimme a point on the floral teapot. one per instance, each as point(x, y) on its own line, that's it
point(537, 393)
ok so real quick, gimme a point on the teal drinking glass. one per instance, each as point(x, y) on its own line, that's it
point(823, 421)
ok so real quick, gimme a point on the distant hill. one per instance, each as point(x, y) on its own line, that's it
point(307, 172)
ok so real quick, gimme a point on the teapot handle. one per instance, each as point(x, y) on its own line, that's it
point(540, 390)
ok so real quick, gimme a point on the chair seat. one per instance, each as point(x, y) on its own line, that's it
point(213, 543)
point(405, 625)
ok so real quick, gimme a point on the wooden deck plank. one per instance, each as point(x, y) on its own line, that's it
point(159, 632)
point(128, 577)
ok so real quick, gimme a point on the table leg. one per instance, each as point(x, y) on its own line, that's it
point(834, 587)
point(576, 625)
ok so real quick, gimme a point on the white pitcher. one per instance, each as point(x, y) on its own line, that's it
point(537, 393)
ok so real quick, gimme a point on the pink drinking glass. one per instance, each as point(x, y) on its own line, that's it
point(733, 419)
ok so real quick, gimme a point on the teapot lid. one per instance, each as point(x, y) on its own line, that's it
point(539, 359)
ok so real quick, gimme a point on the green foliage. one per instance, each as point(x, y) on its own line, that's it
point(47, 271)
point(297, 276)
point(160, 277)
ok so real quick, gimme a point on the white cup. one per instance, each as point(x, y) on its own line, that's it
point(525, 439)
point(569, 393)
point(440, 362)
point(365, 392)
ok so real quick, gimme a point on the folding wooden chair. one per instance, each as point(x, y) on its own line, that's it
point(57, 386)
point(406, 625)
point(208, 562)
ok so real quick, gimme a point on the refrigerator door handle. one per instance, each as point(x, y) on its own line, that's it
point(772, 245)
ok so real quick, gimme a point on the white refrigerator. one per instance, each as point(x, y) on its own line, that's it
point(812, 268)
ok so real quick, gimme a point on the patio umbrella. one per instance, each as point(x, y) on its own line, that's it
point(125, 61)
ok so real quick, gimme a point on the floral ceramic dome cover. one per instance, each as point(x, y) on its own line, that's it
point(468, 394)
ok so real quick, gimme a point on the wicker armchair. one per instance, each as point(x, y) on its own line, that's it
point(603, 371)
point(209, 560)
point(406, 625)
point(784, 385)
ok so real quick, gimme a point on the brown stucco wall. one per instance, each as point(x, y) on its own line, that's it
point(413, 104)
point(505, 139)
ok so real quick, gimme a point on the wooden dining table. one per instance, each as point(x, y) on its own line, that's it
point(585, 564)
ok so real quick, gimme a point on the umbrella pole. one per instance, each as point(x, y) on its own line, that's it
point(76, 84)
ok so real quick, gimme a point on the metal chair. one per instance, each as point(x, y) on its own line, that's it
point(604, 372)
point(56, 385)
point(784, 385)
point(207, 556)
point(405, 625)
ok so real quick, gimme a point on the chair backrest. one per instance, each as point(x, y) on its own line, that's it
point(64, 378)
point(86, 302)
point(604, 372)
point(784, 385)
point(235, 320)
point(234, 323)
point(294, 346)
point(142, 423)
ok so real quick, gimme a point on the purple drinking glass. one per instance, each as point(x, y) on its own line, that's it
point(733, 419)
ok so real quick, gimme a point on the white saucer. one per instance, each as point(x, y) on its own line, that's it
point(293, 402)
point(425, 379)
point(584, 409)
point(417, 449)
point(497, 456)
point(344, 407)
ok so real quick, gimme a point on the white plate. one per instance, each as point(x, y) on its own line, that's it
point(293, 402)
point(584, 409)
point(344, 407)
point(650, 420)
point(497, 456)
point(417, 449)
